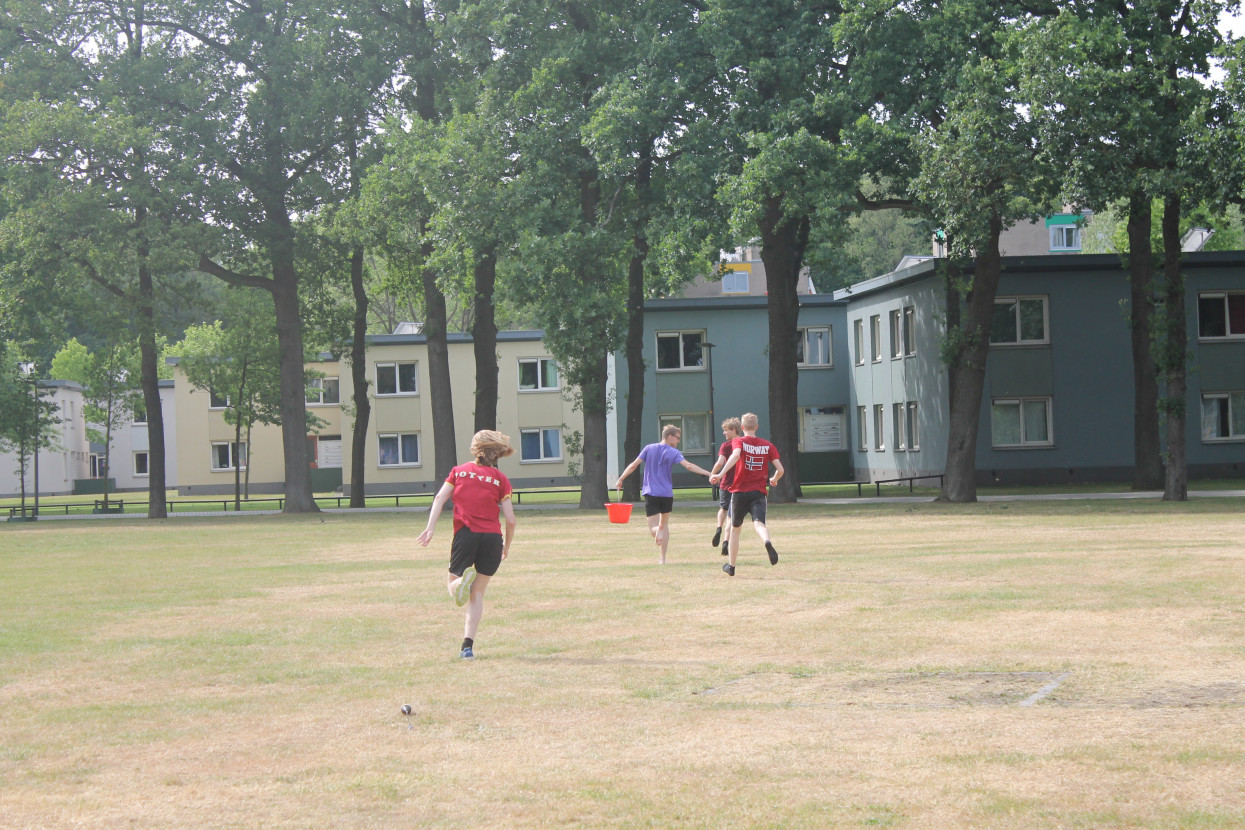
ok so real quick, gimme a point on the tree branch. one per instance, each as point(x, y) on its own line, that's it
point(207, 266)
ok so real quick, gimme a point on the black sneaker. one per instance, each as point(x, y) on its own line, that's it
point(773, 554)
point(717, 537)
point(729, 568)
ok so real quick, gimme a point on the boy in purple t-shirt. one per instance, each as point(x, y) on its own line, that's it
point(658, 488)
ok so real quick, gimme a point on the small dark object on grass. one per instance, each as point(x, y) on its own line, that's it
point(406, 708)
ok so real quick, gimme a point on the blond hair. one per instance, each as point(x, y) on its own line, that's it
point(488, 445)
point(733, 425)
point(670, 429)
point(749, 421)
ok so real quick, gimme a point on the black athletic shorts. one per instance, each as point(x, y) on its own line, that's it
point(656, 505)
point(480, 549)
point(724, 499)
point(752, 501)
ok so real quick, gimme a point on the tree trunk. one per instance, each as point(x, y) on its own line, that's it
point(1175, 347)
point(157, 486)
point(1147, 460)
point(633, 440)
point(633, 437)
point(358, 375)
point(484, 339)
point(445, 446)
point(594, 490)
point(298, 495)
point(966, 373)
point(783, 240)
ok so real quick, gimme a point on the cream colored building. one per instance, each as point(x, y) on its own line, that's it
point(531, 409)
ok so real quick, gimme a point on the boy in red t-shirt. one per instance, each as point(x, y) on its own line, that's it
point(730, 431)
point(479, 489)
point(752, 456)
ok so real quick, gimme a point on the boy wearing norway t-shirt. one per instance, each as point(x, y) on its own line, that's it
point(750, 458)
point(479, 490)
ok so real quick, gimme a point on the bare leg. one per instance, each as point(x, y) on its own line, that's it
point(662, 535)
point(475, 606)
point(734, 545)
point(762, 531)
point(451, 583)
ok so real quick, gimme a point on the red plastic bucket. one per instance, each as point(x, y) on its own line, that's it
point(619, 513)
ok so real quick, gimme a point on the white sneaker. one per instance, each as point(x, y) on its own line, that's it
point(462, 592)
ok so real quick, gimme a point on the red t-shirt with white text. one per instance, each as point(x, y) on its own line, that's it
point(752, 468)
point(478, 493)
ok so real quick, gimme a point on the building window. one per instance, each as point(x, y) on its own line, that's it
point(98, 466)
point(896, 334)
point(398, 449)
point(680, 350)
point(323, 391)
point(812, 347)
point(1020, 422)
point(879, 427)
point(1221, 314)
point(862, 427)
point(858, 340)
point(140, 413)
point(875, 336)
point(899, 423)
point(540, 445)
point(694, 428)
point(909, 331)
point(537, 374)
point(914, 442)
point(216, 401)
point(1223, 416)
point(822, 429)
point(396, 378)
point(1065, 238)
point(1019, 321)
point(227, 456)
point(140, 464)
point(735, 281)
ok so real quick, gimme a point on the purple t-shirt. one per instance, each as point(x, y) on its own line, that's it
point(658, 459)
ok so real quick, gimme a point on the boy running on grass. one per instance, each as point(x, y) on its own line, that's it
point(753, 456)
point(658, 489)
point(478, 489)
point(730, 431)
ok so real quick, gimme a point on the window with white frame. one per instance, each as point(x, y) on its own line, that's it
point(398, 449)
point(323, 391)
point(1065, 238)
point(398, 378)
point(694, 429)
point(1019, 321)
point(537, 374)
point(896, 318)
point(1223, 416)
point(823, 428)
point(875, 336)
point(680, 350)
point(909, 331)
point(98, 465)
point(537, 445)
point(228, 456)
point(216, 401)
point(140, 464)
point(1221, 314)
point(879, 427)
point(1020, 422)
point(862, 428)
point(735, 281)
point(914, 442)
point(812, 347)
point(858, 340)
point(140, 413)
point(899, 425)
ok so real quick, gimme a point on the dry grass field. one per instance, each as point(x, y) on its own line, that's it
point(1024, 665)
